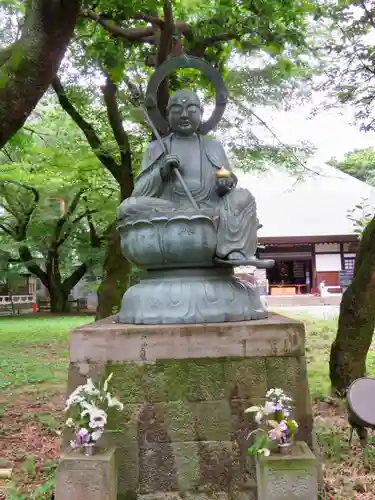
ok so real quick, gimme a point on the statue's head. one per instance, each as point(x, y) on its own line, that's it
point(184, 112)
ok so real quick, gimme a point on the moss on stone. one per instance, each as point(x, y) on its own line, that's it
point(245, 378)
point(169, 380)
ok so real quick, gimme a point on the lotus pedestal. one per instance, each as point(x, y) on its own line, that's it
point(183, 283)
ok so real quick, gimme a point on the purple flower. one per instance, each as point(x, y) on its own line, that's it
point(82, 436)
point(283, 427)
point(285, 438)
point(273, 435)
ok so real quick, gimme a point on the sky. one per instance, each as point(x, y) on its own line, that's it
point(332, 132)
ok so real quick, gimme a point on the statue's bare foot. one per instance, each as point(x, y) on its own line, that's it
point(236, 256)
point(239, 259)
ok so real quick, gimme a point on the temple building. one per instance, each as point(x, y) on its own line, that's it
point(306, 228)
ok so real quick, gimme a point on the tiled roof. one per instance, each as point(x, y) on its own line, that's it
point(316, 205)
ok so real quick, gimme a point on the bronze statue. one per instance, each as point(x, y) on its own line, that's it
point(186, 192)
point(200, 159)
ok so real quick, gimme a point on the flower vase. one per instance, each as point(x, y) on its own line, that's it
point(285, 448)
point(89, 449)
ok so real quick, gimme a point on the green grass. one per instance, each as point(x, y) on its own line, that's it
point(319, 337)
point(34, 350)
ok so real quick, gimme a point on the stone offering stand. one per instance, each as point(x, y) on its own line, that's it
point(185, 388)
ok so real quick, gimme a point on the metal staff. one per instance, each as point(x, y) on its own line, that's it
point(175, 169)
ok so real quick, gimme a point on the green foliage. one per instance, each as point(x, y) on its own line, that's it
point(120, 44)
point(50, 160)
point(260, 442)
point(360, 164)
point(29, 466)
point(361, 215)
point(229, 36)
point(345, 52)
point(46, 490)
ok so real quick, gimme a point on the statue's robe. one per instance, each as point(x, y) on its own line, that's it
point(200, 157)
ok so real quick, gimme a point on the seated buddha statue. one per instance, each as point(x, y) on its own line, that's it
point(204, 166)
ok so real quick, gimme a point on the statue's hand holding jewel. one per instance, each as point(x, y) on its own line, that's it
point(224, 185)
point(169, 162)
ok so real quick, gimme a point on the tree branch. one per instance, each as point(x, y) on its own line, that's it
point(29, 64)
point(7, 154)
point(163, 51)
point(74, 278)
point(369, 13)
point(130, 34)
point(8, 231)
point(137, 96)
point(39, 134)
point(95, 239)
point(22, 219)
point(114, 117)
point(165, 43)
point(64, 218)
point(67, 233)
point(88, 130)
point(154, 20)
point(31, 265)
point(124, 173)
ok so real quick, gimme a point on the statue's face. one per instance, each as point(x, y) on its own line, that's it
point(184, 112)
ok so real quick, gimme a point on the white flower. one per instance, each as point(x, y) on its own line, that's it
point(269, 407)
point(88, 408)
point(90, 388)
point(275, 392)
point(114, 403)
point(75, 397)
point(105, 385)
point(259, 417)
point(73, 444)
point(69, 422)
point(253, 408)
point(98, 417)
point(96, 435)
point(295, 424)
point(266, 452)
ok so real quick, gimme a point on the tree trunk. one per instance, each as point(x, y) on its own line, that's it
point(357, 318)
point(28, 66)
point(59, 299)
point(115, 279)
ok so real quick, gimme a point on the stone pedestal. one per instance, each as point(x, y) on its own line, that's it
point(185, 389)
point(288, 477)
point(79, 477)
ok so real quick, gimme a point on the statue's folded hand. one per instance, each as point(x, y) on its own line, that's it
point(169, 162)
point(224, 185)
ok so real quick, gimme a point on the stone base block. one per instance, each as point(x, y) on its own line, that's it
point(185, 389)
point(233, 495)
point(86, 478)
point(288, 477)
point(207, 295)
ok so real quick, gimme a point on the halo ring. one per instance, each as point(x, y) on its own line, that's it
point(171, 66)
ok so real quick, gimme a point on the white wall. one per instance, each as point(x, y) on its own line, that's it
point(328, 262)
